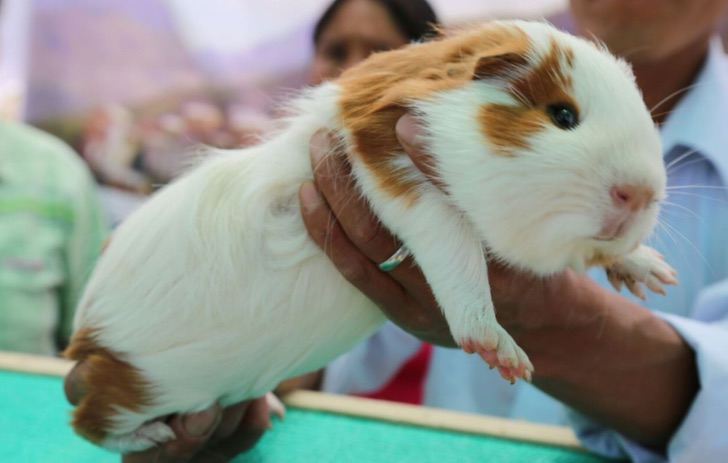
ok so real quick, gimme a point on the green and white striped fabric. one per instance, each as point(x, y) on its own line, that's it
point(51, 232)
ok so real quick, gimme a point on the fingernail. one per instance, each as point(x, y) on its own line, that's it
point(318, 146)
point(410, 132)
point(310, 197)
point(201, 424)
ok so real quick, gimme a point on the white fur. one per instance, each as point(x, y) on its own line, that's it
point(539, 209)
point(215, 292)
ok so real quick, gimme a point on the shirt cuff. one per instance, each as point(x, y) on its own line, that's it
point(701, 436)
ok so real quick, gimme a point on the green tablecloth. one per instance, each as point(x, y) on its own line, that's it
point(34, 428)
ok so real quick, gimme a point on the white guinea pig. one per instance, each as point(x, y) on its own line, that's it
point(213, 291)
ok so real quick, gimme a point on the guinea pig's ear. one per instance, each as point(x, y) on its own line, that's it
point(500, 66)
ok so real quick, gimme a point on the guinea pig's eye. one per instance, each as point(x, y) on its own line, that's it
point(563, 115)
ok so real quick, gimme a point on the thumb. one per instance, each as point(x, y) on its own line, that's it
point(411, 135)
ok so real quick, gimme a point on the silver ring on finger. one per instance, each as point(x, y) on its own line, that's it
point(397, 258)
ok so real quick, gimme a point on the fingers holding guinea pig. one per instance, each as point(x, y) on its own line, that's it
point(192, 435)
point(74, 385)
point(253, 423)
point(333, 178)
point(359, 270)
point(212, 435)
point(341, 223)
point(410, 135)
point(332, 175)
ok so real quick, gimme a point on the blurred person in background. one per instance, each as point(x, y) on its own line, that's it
point(134, 153)
point(350, 30)
point(246, 126)
point(51, 232)
point(110, 146)
point(347, 32)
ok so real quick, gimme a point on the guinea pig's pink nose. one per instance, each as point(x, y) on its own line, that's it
point(631, 197)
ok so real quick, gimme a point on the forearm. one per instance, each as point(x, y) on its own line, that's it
point(606, 357)
point(615, 362)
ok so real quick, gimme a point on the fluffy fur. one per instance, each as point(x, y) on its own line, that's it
point(213, 291)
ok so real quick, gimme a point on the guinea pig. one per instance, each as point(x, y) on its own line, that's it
point(213, 292)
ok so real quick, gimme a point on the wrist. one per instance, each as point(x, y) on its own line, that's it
point(575, 314)
point(613, 361)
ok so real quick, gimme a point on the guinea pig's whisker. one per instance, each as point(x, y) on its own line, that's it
point(681, 166)
point(706, 187)
point(681, 207)
point(330, 222)
point(682, 254)
point(698, 195)
point(690, 243)
point(672, 95)
point(671, 237)
point(663, 114)
point(668, 233)
point(680, 158)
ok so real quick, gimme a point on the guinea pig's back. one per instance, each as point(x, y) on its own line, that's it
point(213, 290)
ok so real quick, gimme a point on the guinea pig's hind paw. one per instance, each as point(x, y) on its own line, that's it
point(505, 355)
point(143, 438)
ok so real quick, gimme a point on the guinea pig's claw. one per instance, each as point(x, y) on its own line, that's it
point(510, 360)
point(643, 266)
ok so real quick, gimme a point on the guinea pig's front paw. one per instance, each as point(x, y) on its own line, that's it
point(645, 266)
point(499, 350)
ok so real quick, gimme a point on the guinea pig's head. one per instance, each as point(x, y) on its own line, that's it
point(549, 150)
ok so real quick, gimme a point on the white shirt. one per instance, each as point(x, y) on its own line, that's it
point(694, 241)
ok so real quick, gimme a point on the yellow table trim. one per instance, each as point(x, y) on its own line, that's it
point(435, 418)
point(34, 364)
point(366, 408)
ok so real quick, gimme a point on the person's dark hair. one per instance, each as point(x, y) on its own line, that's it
point(414, 18)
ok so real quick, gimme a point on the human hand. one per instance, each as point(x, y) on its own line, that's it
point(566, 322)
point(342, 224)
point(213, 435)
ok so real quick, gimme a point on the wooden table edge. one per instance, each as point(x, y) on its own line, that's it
point(393, 412)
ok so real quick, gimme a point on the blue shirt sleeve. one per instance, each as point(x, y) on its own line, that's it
point(703, 434)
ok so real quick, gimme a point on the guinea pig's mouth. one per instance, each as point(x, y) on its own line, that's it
point(613, 229)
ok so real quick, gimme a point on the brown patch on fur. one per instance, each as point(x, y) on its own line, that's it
point(505, 65)
point(510, 127)
point(569, 55)
point(109, 383)
point(377, 92)
point(548, 82)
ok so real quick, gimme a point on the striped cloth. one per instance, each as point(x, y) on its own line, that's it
point(51, 230)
